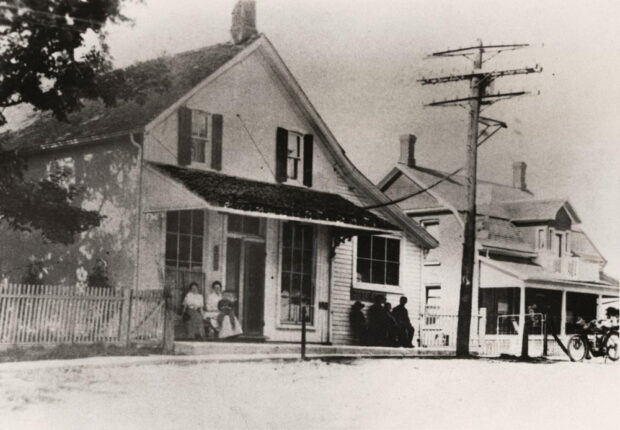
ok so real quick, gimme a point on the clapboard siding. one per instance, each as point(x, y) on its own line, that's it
point(341, 290)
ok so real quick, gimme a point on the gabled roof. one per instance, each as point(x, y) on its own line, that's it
point(186, 70)
point(451, 191)
point(191, 71)
point(538, 210)
point(224, 191)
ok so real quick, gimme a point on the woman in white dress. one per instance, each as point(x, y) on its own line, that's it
point(193, 304)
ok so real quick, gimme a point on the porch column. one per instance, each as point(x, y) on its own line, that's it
point(599, 307)
point(521, 312)
point(563, 314)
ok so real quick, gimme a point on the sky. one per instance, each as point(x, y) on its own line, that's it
point(359, 62)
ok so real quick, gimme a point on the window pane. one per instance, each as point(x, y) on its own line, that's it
point(185, 221)
point(291, 168)
point(199, 123)
point(306, 288)
point(251, 225)
point(171, 247)
point(198, 222)
point(363, 246)
point(378, 248)
point(393, 250)
point(295, 288)
point(184, 248)
point(287, 256)
point(307, 261)
point(297, 259)
point(287, 235)
point(363, 269)
point(391, 273)
point(294, 141)
point(197, 249)
point(198, 150)
point(172, 221)
point(377, 272)
point(308, 232)
point(235, 223)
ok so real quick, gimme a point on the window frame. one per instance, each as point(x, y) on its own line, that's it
point(313, 322)
point(298, 159)
point(425, 223)
point(206, 140)
point(192, 236)
point(541, 244)
point(370, 286)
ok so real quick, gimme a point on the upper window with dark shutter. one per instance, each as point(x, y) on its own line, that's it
point(294, 153)
point(200, 138)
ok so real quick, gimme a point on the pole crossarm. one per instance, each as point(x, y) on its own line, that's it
point(483, 99)
point(481, 75)
point(471, 49)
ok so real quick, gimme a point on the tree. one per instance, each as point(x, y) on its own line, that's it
point(45, 62)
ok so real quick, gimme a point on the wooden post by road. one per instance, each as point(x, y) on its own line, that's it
point(168, 343)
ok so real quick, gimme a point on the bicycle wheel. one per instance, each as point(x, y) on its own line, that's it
point(612, 346)
point(577, 348)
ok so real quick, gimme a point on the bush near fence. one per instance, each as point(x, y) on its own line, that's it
point(59, 314)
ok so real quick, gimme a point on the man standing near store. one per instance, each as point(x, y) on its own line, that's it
point(405, 329)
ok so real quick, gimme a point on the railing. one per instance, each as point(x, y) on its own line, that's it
point(438, 330)
point(571, 267)
point(55, 314)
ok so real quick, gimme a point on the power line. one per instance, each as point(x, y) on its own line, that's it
point(408, 196)
point(256, 145)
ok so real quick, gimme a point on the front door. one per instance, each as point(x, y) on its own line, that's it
point(245, 278)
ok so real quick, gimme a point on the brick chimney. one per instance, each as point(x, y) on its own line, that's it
point(518, 175)
point(407, 149)
point(244, 21)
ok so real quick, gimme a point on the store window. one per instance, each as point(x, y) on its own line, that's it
point(184, 239)
point(378, 260)
point(297, 281)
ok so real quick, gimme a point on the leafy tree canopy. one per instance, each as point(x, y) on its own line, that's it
point(46, 62)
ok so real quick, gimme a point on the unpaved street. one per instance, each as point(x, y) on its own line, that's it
point(364, 394)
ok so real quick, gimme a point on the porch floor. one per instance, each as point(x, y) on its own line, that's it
point(292, 350)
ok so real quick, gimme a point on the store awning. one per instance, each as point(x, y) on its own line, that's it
point(215, 191)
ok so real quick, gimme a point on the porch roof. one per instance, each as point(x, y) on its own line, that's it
point(230, 192)
point(533, 273)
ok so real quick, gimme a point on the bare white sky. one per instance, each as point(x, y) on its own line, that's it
point(359, 60)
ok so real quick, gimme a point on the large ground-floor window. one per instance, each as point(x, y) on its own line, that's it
point(579, 305)
point(297, 280)
point(502, 307)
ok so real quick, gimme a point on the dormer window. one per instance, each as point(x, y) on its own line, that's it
point(540, 238)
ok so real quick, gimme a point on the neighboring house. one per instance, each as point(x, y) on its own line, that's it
point(529, 251)
point(230, 175)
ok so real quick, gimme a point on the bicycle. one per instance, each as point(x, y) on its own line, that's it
point(595, 342)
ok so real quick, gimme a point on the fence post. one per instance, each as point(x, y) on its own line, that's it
point(303, 332)
point(168, 343)
point(526, 338)
point(127, 303)
point(545, 350)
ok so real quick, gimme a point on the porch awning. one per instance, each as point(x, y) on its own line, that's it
point(236, 195)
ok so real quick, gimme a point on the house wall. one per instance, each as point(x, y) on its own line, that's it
point(108, 173)
point(249, 95)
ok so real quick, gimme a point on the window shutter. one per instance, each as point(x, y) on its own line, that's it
point(281, 154)
point(217, 122)
point(184, 145)
point(308, 151)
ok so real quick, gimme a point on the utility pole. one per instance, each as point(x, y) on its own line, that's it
point(479, 82)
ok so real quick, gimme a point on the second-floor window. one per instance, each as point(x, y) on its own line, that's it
point(201, 145)
point(378, 260)
point(431, 257)
point(540, 238)
point(294, 157)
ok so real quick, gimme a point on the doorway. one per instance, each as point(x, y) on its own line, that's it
point(245, 277)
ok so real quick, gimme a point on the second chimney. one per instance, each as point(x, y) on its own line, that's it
point(518, 175)
point(244, 21)
point(407, 149)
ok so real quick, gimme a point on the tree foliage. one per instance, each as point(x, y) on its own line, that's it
point(45, 63)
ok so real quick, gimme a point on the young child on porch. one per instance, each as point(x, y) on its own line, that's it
point(210, 315)
point(228, 325)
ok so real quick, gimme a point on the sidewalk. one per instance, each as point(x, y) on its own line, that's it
point(203, 352)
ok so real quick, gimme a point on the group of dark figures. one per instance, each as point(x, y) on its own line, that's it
point(382, 325)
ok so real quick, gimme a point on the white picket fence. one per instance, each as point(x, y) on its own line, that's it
point(55, 314)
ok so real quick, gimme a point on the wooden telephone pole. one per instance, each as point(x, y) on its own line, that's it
point(479, 83)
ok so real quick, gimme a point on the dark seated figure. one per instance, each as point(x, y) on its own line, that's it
point(358, 324)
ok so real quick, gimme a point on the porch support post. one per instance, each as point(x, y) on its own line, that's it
point(521, 314)
point(599, 307)
point(563, 315)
